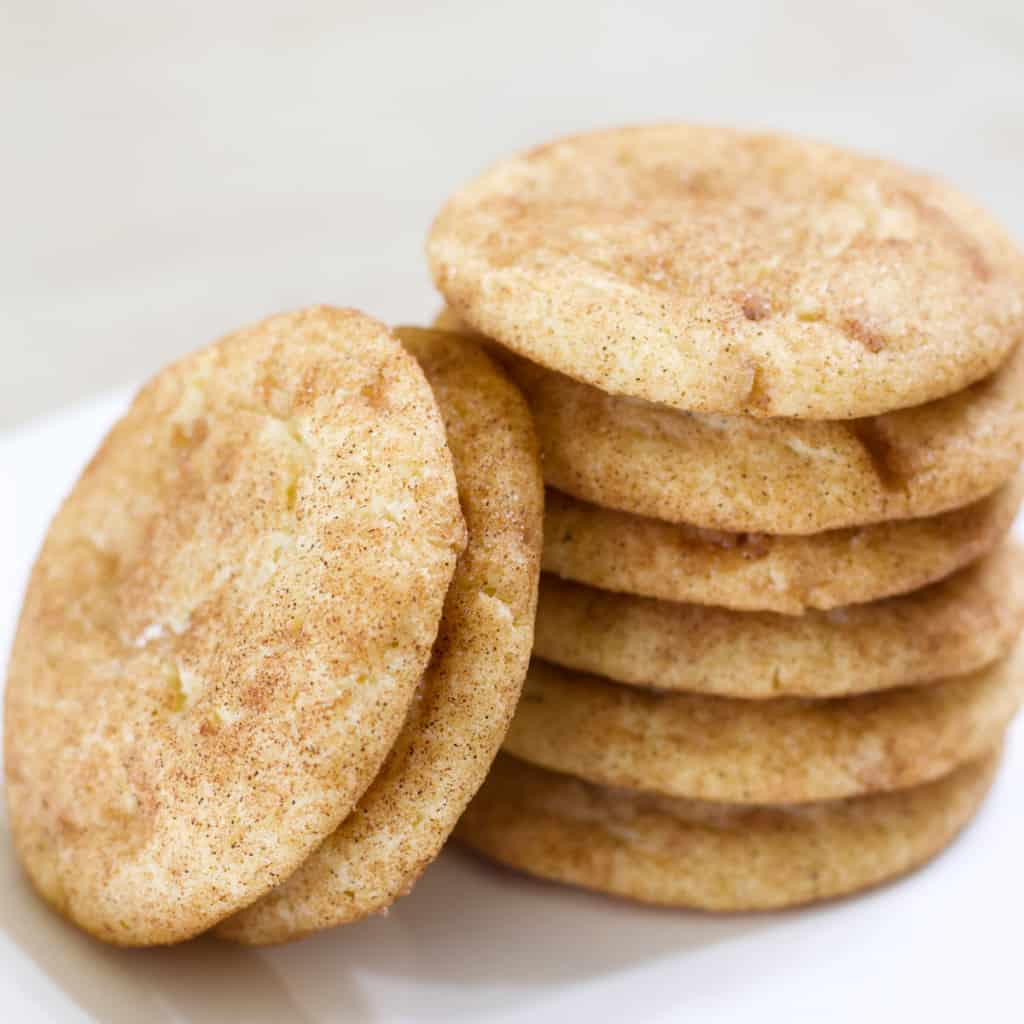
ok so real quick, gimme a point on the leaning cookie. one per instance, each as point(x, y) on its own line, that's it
point(631, 554)
point(716, 270)
point(721, 857)
point(957, 625)
point(468, 694)
point(763, 752)
point(226, 625)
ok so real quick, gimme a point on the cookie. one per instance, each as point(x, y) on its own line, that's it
point(957, 625)
point(720, 857)
point(766, 572)
point(763, 752)
point(714, 270)
point(227, 623)
point(471, 688)
point(741, 474)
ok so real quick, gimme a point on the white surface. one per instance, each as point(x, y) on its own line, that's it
point(171, 171)
point(476, 944)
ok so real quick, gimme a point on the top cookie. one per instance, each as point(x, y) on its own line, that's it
point(226, 625)
point(720, 271)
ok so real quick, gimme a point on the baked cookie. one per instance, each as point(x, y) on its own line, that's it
point(714, 270)
point(722, 857)
point(742, 474)
point(766, 572)
point(471, 688)
point(227, 623)
point(763, 752)
point(952, 627)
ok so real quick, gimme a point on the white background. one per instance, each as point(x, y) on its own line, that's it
point(169, 171)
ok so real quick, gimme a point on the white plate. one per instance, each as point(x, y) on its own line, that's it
point(473, 943)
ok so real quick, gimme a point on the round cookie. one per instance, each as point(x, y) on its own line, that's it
point(715, 270)
point(224, 631)
point(955, 626)
point(777, 476)
point(764, 752)
point(765, 572)
point(469, 692)
point(720, 857)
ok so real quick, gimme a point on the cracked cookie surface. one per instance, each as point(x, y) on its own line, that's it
point(226, 625)
point(783, 476)
point(713, 270)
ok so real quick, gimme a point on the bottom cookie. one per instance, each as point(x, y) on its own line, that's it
point(711, 856)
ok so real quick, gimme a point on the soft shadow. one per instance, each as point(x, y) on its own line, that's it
point(202, 981)
point(471, 939)
point(491, 937)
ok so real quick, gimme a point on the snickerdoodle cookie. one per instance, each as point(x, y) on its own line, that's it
point(691, 853)
point(716, 270)
point(469, 691)
point(225, 629)
point(765, 752)
point(957, 625)
point(767, 572)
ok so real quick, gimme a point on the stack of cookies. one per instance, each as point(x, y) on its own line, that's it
point(275, 635)
point(779, 389)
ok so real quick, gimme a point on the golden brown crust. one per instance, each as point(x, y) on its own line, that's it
point(631, 554)
point(955, 626)
point(710, 856)
point(471, 688)
point(764, 752)
point(226, 625)
point(722, 271)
